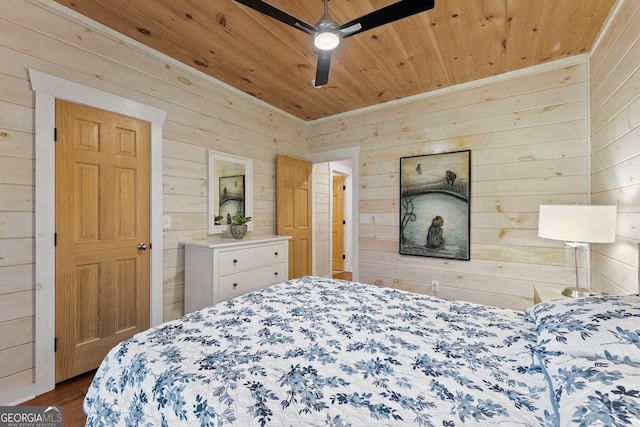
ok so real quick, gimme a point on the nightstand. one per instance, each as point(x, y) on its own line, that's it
point(542, 293)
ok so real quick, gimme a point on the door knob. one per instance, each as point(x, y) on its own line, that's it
point(142, 246)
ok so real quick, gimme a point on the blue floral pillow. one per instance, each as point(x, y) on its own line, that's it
point(595, 392)
point(600, 326)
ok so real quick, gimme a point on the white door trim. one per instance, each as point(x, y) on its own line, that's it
point(48, 88)
point(336, 168)
point(353, 154)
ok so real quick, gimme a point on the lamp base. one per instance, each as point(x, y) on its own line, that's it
point(573, 292)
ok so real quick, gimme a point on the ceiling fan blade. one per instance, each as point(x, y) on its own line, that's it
point(322, 70)
point(387, 14)
point(351, 29)
point(278, 14)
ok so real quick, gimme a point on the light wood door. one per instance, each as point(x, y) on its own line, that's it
point(293, 211)
point(102, 234)
point(337, 224)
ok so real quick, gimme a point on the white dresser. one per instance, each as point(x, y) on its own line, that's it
point(222, 268)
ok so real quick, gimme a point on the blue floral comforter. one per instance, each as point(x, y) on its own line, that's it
point(321, 352)
point(589, 350)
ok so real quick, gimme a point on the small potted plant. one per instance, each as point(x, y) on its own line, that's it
point(238, 226)
point(217, 219)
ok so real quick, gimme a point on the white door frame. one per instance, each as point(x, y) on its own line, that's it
point(353, 154)
point(48, 88)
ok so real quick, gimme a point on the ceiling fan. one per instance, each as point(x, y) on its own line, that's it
point(327, 33)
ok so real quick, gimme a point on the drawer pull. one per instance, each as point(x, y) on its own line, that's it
point(235, 261)
point(275, 274)
point(235, 285)
point(276, 254)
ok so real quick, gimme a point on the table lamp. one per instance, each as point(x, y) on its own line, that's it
point(578, 225)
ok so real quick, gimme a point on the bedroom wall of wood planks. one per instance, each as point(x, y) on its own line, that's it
point(615, 145)
point(528, 136)
point(528, 132)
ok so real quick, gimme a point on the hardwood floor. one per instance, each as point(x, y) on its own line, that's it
point(342, 275)
point(69, 394)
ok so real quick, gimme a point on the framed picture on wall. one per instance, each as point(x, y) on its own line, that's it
point(435, 195)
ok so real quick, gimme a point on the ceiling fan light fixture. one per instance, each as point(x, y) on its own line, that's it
point(327, 40)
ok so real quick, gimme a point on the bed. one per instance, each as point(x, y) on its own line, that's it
point(324, 352)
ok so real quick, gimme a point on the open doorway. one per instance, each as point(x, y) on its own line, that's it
point(326, 164)
point(341, 223)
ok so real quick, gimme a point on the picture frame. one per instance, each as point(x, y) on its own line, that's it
point(435, 205)
point(231, 197)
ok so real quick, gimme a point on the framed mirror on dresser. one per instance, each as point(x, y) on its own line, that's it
point(230, 189)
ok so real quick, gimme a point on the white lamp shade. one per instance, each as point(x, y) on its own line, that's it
point(578, 223)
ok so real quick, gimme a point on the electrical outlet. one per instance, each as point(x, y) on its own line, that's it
point(435, 285)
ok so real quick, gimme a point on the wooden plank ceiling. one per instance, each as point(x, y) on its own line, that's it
point(458, 41)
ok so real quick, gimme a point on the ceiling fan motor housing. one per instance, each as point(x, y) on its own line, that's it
point(327, 37)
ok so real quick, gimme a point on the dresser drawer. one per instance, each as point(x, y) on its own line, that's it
point(219, 269)
point(235, 260)
point(236, 284)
